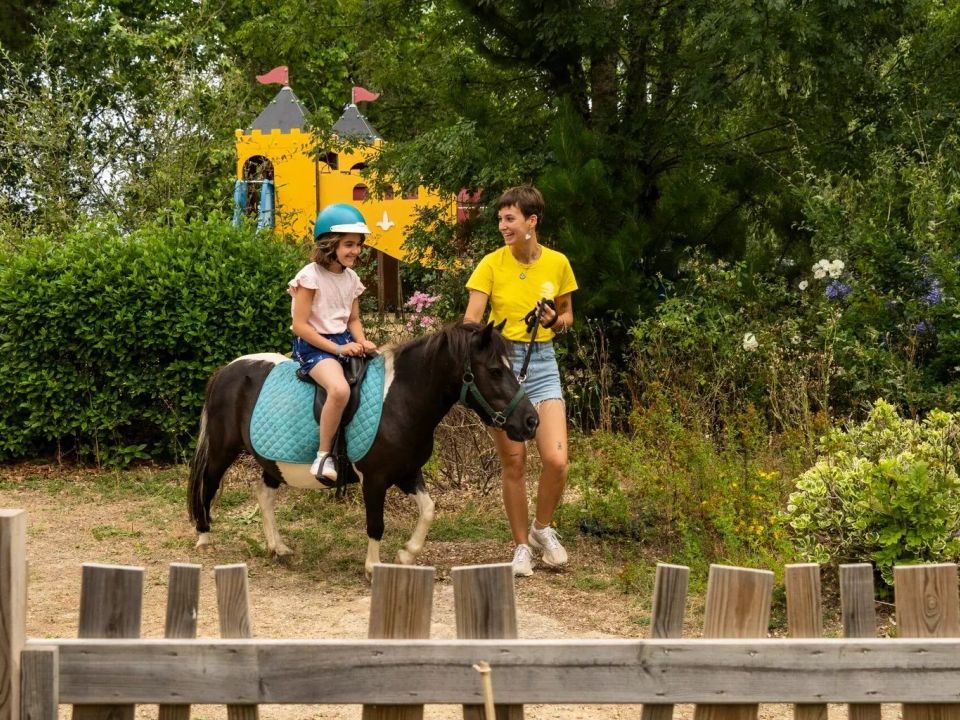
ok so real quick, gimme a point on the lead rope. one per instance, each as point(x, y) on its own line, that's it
point(532, 320)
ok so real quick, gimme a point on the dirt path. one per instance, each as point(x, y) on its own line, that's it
point(66, 529)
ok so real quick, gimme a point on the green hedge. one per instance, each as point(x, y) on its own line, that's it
point(107, 338)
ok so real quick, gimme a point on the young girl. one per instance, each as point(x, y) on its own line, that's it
point(514, 279)
point(326, 318)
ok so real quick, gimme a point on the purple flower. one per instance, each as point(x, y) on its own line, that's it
point(923, 327)
point(420, 300)
point(838, 290)
point(934, 291)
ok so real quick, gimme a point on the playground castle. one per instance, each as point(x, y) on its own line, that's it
point(284, 181)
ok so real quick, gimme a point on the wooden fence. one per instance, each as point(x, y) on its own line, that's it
point(398, 669)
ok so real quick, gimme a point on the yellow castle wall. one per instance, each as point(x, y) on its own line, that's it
point(297, 201)
point(294, 176)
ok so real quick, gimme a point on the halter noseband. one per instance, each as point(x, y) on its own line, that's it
point(497, 417)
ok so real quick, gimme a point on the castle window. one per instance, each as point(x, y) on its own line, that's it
point(360, 192)
point(358, 167)
point(331, 159)
point(388, 193)
point(413, 194)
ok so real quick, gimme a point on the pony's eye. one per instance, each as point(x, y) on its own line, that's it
point(496, 372)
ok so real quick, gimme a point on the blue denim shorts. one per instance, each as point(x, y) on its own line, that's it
point(543, 375)
point(308, 356)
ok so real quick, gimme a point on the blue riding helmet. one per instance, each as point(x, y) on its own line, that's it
point(340, 218)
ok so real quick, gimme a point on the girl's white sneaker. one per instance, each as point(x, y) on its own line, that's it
point(325, 466)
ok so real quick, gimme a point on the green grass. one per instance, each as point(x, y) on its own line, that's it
point(104, 532)
point(470, 523)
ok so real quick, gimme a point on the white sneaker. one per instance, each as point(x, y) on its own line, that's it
point(329, 466)
point(523, 561)
point(548, 542)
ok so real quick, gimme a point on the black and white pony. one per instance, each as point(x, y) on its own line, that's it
point(424, 378)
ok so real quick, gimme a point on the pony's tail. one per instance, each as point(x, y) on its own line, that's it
point(198, 471)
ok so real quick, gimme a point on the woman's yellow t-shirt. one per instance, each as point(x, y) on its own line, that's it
point(514, 288)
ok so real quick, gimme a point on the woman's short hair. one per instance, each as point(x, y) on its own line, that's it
point(525, 197)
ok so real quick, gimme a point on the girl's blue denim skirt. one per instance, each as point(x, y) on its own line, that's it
point(308, 355)
point(543, 375)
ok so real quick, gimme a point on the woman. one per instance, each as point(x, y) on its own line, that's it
point(516, 279)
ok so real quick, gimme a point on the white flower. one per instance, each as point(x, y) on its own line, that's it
point(803, 285)
point(795, 339)
point(819, 272)
point(750, 342)
point(835, 268)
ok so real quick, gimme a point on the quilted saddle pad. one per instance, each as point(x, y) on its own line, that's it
point(283, 428)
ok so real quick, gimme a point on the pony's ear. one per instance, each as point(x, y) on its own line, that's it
point(500, 326)
point(486, 334)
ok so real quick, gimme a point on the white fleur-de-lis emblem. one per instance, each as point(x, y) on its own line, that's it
point(386, 223)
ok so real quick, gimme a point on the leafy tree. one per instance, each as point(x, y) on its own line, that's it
point(652, 127)
point(131, 107)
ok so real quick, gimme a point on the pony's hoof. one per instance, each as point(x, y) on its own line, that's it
point(405, 557)
point(204, 542)
point(368, 572)
point(282, 555)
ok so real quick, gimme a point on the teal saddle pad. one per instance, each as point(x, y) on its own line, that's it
point(283, 428)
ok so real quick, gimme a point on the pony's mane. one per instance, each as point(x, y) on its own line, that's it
point(455, 339)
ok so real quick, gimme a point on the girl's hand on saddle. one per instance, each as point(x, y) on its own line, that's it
point(352, 349)
point(368, 347)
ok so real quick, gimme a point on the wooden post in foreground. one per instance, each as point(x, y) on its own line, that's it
point(183, 600)
point(805, 620)
point(927, 606)
point(40, 683)
point(738, 606)
point(13, 608)
point(859, 612)
point(486, 609)
point(401, 604)
point(233, 608)
point(666, 619)
point(111, 603)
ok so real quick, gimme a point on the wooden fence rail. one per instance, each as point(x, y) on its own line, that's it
point(398, 669)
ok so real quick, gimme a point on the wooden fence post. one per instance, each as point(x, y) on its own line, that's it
point(233, 609)
point(111, 602)
point(805, 620)
point(486, 609)
point(183, 599)
point(738, 606)
point(401, 604)
point(666, 619)
point(13, 608)
point(40, 683)
point(858, 609)
point(927, 606)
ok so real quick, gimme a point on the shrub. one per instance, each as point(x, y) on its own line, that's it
point(885, 491)
point(896, 225)
point(727, 339)
point(680, 494)
point(107, 339)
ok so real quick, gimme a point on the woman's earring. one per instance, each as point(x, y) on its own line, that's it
point(528, 236)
